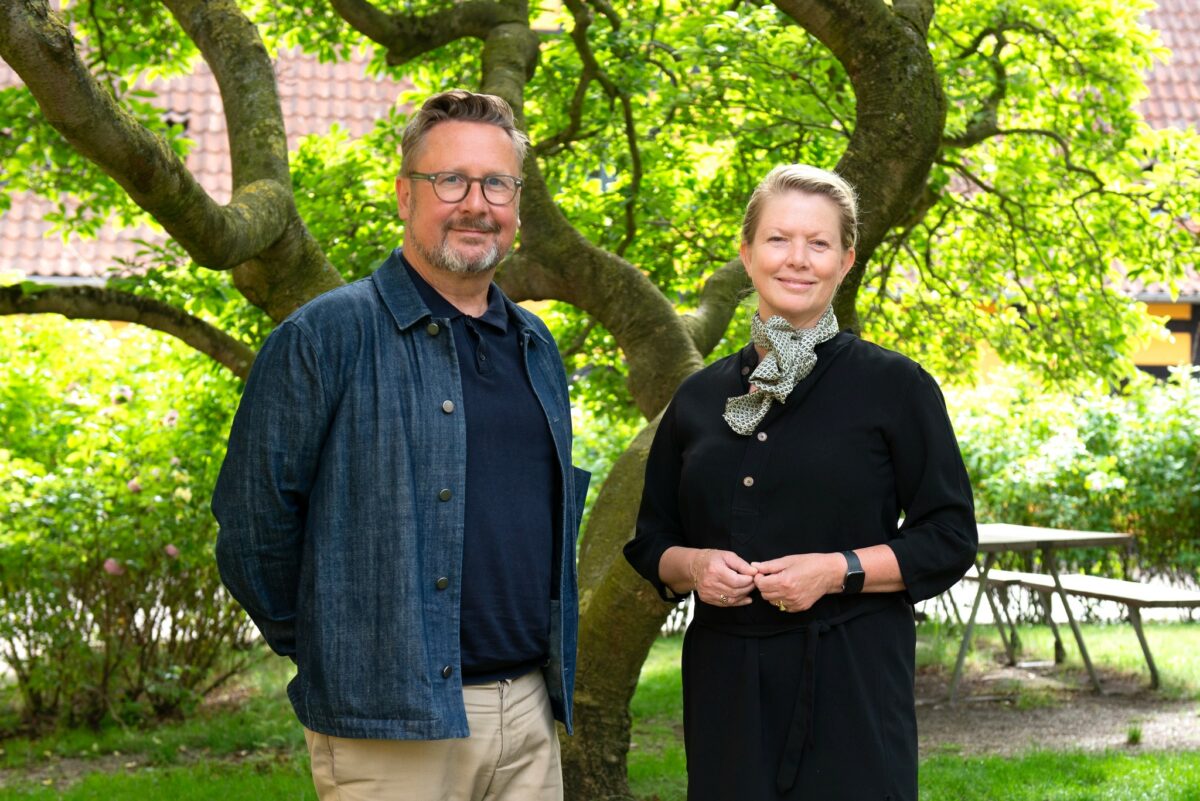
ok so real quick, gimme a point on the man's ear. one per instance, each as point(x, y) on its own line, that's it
point(403, 196)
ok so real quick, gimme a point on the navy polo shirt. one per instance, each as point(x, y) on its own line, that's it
point(511, 495)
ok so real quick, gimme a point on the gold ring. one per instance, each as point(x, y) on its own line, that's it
point(724, 599)
point(782, 606)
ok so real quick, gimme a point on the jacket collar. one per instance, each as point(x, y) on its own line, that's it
point(407, 308)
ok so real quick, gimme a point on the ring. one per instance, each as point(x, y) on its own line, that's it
point(782, 606)
point(724, 599)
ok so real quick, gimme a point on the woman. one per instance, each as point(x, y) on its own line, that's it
point(773, 488)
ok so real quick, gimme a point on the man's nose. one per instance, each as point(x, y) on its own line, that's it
point(474, 199)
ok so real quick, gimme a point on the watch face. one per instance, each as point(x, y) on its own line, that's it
point(853, 582)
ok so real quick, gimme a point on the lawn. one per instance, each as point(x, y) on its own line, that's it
point(248, 746)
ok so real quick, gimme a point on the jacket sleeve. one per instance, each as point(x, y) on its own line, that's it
point(261, 496)
point(938, 539)
point(659, 525)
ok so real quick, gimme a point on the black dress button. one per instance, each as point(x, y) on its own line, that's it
point(443, 583)
point(444, 495)
point(433, 329)
point(446, 671)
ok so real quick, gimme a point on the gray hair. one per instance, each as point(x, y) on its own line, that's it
point(461, 106)
point(810, 181)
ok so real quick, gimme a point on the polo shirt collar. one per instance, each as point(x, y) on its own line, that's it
point(495, 315)
point(409, 297)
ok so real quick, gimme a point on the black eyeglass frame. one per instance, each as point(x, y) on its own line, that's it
point(434, 177)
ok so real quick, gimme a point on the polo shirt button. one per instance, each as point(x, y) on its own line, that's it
point(446, 671)
point(745, 371)
point(762, 436)
point(748, 481)
point(433, 329)
point(443, 582)
point(444, 495)
point(447, 406)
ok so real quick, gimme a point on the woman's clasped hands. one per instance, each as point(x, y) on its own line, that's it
point(721, 578)
point(796, 582)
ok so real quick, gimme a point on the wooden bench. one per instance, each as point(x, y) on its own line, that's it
point(1135, 595)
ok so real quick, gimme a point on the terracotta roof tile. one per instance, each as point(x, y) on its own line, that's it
point(1175, 86)
point(308, 105)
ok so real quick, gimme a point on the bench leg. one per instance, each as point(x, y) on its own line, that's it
point(1060, 652)
point(1135, 617)
point(1007, 636)
point(1087, 660)
point(966, 640)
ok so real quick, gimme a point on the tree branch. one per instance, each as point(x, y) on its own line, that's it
point(719, 298)
point(900, 112)
point(39, 47)
point(583, 20)
point(407, 36)
point(93, 303)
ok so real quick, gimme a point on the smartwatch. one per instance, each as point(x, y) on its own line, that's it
point(852, 582)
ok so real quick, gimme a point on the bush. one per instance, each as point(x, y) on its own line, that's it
point(1095, 460)
point(110, 602)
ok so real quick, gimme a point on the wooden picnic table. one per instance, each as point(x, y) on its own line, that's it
point(998, 538)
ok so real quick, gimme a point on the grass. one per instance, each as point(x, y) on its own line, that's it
point(1063, 776)
point(248, 747)
point(254, 718)
point(285, 779)
point(1113, 648)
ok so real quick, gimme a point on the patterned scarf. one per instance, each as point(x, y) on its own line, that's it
point(788, 360)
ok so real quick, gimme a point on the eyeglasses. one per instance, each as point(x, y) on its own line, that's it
point(452, 187)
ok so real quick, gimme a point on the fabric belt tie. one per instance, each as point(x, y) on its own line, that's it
point(800, 735)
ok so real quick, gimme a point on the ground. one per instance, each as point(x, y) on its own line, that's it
point(1012, 710)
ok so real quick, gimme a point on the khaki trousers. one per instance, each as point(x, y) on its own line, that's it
point(511, 755)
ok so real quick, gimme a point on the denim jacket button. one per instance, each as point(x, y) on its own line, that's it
point(446, 671)
point(444, 495)
point(442, 582)
point(433, 329)
point(447, 406)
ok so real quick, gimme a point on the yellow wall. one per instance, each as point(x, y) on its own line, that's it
point(1177, 347)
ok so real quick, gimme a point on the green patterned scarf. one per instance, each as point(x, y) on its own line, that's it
point(789, 358)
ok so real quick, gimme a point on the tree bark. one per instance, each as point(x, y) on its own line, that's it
point(901, 112)
point(259, 227)
point(92, 303)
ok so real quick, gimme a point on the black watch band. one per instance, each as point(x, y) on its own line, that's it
point(852, 582)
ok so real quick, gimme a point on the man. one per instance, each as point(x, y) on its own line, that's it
point(398, 509)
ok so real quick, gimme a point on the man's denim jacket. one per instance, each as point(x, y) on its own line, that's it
point(340, 505)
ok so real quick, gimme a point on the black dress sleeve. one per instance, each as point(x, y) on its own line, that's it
point(658, 523)
point(938, 540)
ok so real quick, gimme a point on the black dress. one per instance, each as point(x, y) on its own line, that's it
point(819, 704)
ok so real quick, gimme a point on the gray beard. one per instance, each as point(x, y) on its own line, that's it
point(446, 258)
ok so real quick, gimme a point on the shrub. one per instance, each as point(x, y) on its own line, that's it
point(1094, 460)
point(110, 602)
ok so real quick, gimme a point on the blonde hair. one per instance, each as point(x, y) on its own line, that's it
point(810, 181)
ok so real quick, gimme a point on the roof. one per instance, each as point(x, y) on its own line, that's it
point(1174, 100)
point(313, 96)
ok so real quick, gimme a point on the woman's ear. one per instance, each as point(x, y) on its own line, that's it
point(847, 263)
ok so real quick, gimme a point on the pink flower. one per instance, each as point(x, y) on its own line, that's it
point(133, 486)
point(113, 567)
point(170, 418)
point(172, 551)
point(121, 394)
point(175, 461)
